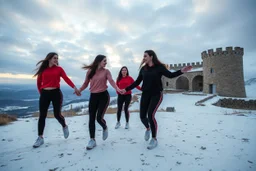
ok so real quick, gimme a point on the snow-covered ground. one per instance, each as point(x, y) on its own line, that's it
point(197, 138)
point(84, 105)
point(75, 105)
point(8, 108)
point(251, 91)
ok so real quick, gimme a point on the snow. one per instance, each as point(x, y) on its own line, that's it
point(134, 106)
point(250, 81)
point(29, 100)
point(192, 70)
point(198, 138)
point(251, 91)
point(196, 69)
point(75, 105)
point(8, 108)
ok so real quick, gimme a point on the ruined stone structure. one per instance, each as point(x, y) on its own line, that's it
point(221, 72)
point(192, 81)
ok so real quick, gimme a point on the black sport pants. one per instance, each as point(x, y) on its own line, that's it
point(126, 100)
point(148, 107)
point(98, 104)
point(47, 96)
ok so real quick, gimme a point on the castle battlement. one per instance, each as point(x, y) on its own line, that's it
point(229, 51)
point(179, 66)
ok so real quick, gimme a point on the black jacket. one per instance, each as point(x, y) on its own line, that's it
point(151, 77)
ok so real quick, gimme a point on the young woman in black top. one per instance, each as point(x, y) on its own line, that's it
point(150, 73)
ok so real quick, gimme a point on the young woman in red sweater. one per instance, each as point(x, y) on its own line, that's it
point(97, 75)
point(48, 84)
point(123, 81)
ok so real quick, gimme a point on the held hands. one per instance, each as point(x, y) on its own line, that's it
point(186, 69)
point(77, 92)
point(118, 90)
point(121, 91)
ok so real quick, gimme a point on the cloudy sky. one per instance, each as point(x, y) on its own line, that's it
point(177, 30)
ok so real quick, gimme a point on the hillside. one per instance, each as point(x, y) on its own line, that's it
point(192, 138)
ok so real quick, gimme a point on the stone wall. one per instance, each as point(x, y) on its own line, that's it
point(224, 69)
point(179, 66)
point(236, 104)
point(190, 78)
point(222, 73)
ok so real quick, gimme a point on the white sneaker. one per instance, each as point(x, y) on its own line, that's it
point(152, 144)
point(65, 132)
point(39, 142)
point(147, 135)
point(117, 125)
point(91, 144)
point(105, 134)
point(127, 125)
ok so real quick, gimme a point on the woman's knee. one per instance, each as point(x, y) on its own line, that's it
point(99, 119)
point(142, 118)
point(42, 116)
point(57, 115)
point(150, 119)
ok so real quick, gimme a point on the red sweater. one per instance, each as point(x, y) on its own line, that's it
point(125, 82)
point(50, 77)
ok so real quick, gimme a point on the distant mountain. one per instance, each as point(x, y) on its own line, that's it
point(250, 81)
point(22, 100)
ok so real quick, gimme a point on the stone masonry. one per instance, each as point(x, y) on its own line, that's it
point(225, 70)
point(237, 104)
point(221, 73)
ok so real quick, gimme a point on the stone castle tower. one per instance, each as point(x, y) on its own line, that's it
point(223, 72)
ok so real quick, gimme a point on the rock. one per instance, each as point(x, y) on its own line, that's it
point(170, 109)
point(203, 148)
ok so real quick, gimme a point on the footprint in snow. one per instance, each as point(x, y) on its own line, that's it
point(245, 139)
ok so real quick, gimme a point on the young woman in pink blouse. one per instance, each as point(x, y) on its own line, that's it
point(97, 75)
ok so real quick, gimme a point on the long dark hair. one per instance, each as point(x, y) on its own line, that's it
point(93, 66)
point(44, 63)
point(120, 74)
point(155, 60)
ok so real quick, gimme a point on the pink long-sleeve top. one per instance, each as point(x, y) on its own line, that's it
point(98, 83)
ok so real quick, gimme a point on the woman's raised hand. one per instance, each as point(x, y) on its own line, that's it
point(186, 69)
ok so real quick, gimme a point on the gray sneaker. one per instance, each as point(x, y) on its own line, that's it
point(39, 142)
point(152, 144)
point(117, 125)
point(91, 144)
point(65, 132)
point(105, 134)
point(127, 125)
point(147, 135)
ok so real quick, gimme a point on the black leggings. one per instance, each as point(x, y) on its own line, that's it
point(148, 107)
point(47, 96)
point(98, 104)
point(123, 99)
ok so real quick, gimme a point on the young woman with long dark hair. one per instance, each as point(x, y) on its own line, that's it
point(48, 84)
point(150, 73)
point(124, 80)
point(97, 75)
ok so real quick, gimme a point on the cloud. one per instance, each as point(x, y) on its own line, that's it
point(178, 31)
point(18, 76)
